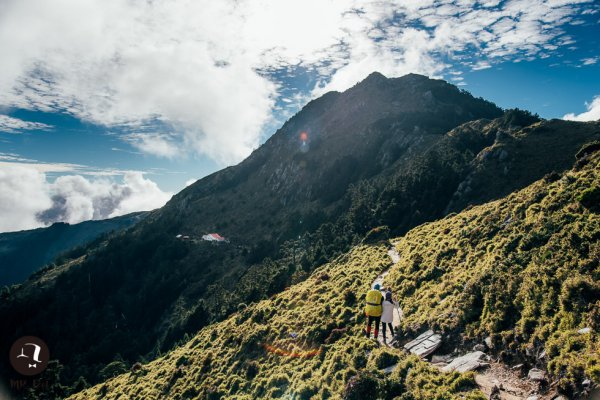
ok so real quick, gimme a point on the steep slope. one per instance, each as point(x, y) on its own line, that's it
point(476, 162)
point(377, 154)
point(22, 253)
point(304, 343)
point(523, 269)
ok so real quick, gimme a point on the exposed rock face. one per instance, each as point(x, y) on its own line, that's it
point(436, 359)
point(488, 342)
point(424, 344)
point(468, 362)
point(479, 347)
point(536, 375)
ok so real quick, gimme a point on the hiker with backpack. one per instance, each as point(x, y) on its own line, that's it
point(373, 309)
point(387, 315)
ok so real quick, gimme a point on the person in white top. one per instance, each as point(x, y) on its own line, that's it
point(387, 317)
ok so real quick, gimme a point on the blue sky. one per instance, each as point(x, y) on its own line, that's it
point(108, 107)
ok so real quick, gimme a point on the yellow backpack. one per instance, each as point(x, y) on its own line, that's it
point(373, 307)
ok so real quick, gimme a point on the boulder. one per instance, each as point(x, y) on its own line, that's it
point(536, 375)
point(468, 362)
point(488, 342)
point(584, 330)
point(479, 347)
point(542, 355)
point(441, 359)
point(586, 383)
point(424, 344)
point(530, 351)
point(390, 369)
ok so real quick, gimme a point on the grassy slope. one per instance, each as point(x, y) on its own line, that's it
point(239, 357)
point(529, 282)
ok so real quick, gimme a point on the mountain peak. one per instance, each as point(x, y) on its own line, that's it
point(375, 76)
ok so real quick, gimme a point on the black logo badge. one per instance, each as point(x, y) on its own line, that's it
point(29, 355)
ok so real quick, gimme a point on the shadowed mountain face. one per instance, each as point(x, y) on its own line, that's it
point(308, 164)
point(395, 152)
point(24, 252)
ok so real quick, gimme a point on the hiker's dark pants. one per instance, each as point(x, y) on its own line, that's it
point(383, 324)
point(370, 320)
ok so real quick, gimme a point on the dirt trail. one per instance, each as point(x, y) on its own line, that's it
point(380, 280)
point(508, 384)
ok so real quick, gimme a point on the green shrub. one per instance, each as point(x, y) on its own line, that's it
point(590, 198)
point(578, 293)
point(362, 386)
point(587, 149)
point(377, 234)
point(113, 369)
point(252, 369)
point(383, 358)
point(183, 360)
point(349, 298)
point(305, 392)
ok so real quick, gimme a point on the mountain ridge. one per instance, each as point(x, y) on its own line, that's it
point(24, 252)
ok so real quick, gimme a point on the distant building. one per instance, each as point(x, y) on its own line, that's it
point(214, 237)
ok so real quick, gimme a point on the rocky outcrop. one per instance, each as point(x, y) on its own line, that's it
point(425, 344)
point(468, 362)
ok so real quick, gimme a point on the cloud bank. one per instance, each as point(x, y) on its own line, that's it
point(28, 200)
point(201, 76)
point(592, 113)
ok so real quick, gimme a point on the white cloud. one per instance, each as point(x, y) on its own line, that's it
point(15, 125)
point(203, 69)
point(152, 143)
point(22, 195)
point(11, 159)
point(481, 65)
point(590, 61)
point(28, 200)
point(592, 113)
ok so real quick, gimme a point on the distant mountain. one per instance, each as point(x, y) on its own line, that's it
point(24, 252)
point(396, 152)
point(519, 274)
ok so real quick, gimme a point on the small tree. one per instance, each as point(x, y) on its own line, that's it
point(117, 367)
